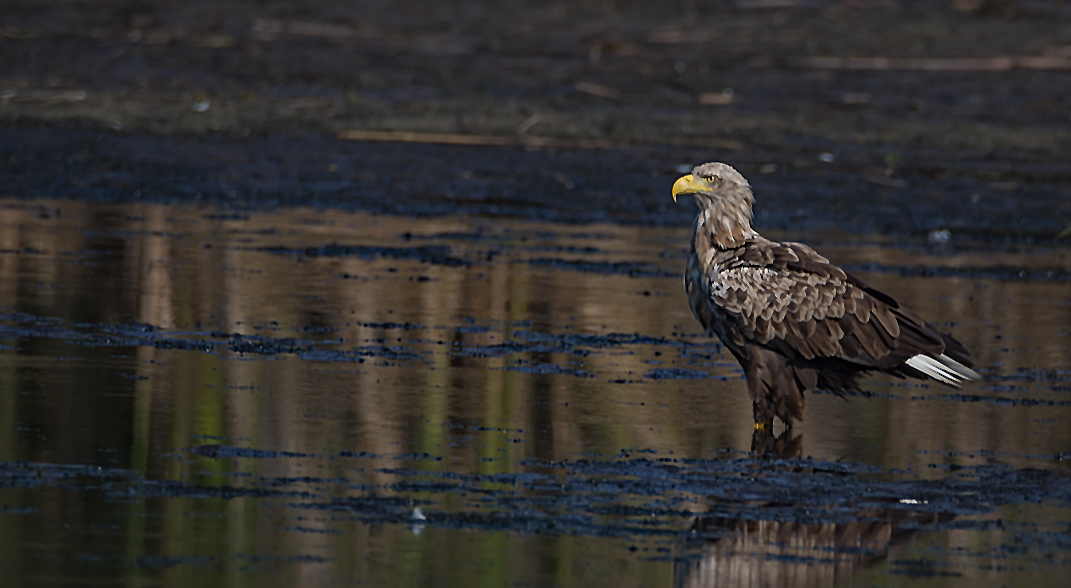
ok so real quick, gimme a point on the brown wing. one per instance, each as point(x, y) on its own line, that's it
point(787, 297)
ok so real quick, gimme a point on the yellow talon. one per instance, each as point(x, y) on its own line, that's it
point(766, 426)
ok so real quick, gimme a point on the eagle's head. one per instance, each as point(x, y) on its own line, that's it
point(724, 199)
point(711, 179)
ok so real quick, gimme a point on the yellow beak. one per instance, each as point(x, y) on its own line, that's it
point(685, 185)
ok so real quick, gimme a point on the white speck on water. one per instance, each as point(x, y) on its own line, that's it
point(418, 518)
point(201, 106)
point(827, 157)
point(940, 236)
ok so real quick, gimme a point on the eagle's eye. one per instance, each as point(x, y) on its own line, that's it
point(711, 179)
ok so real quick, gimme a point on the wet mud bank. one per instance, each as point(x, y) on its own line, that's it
point(948, 194)
point(642, 500)
point(875, 117)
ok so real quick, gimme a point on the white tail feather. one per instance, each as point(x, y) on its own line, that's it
point(944, 369)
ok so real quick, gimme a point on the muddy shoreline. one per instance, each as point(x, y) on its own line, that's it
point(621, 186)
point(868, 117)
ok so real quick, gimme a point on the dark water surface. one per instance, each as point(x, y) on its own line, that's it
point(190, 395)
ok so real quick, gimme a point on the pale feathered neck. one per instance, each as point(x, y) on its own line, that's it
point(724, 219)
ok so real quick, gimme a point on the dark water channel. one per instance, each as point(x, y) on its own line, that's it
point(196, 397)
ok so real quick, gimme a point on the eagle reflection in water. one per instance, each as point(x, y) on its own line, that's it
point(756, 543)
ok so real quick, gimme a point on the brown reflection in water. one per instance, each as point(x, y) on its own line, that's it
point(188, 269)
point(759, 554)
point(180, 269)
point(755, 553)
point(184, 269)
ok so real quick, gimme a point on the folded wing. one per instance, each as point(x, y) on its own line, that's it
point(788, 298)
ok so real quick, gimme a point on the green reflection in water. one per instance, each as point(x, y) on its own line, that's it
point(138, 408)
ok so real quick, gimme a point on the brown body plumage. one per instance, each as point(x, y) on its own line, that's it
point(793, 320)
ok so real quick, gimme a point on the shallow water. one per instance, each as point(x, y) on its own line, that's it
point(194, 395)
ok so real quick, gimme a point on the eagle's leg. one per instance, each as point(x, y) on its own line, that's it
point(775, 387)
point(761, 406)
point(763, 411)
point(763, 423)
